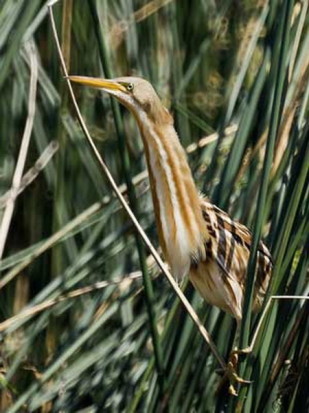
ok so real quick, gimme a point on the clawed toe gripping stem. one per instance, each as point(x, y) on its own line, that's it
point(230, 375)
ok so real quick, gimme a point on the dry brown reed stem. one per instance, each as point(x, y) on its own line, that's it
point(128, 210)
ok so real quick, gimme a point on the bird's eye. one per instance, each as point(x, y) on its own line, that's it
point(129, 87)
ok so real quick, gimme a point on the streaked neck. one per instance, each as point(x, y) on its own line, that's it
point(179, 219)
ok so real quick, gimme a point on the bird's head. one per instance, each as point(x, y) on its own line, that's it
point(135, 93)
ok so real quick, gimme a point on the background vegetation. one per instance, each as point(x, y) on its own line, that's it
point(75, 331)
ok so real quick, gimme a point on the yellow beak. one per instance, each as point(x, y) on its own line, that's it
point(98, 83)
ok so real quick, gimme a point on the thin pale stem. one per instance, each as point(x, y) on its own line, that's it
point(250, 348)
point(8, 213)
point(31, 174)
point(128, 210)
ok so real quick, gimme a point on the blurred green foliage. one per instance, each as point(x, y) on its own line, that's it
point(214, 64)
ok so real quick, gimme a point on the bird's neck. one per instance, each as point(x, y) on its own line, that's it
point(181, 228)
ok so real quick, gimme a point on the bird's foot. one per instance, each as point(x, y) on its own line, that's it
point(230, 375)
point(239, 351)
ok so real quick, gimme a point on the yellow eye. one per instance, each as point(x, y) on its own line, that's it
point(129, 87)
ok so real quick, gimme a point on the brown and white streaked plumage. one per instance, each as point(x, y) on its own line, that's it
point(196, 237)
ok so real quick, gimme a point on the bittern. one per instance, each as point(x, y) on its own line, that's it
point(197, 238)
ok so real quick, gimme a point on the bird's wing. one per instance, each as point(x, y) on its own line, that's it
point(230, 246)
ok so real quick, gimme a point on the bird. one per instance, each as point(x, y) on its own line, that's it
point(197, 238)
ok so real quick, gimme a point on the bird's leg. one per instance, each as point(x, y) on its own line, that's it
point(230, 373)
point(232, 364)
point(233, 356)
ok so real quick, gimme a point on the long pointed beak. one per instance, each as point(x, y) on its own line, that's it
point(106, 84)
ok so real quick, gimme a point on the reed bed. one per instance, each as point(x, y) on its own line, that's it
point(88, 322)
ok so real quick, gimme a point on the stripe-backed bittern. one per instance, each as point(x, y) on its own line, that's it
point(197, 238)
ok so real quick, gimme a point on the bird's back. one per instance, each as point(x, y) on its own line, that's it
point(220, 279)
